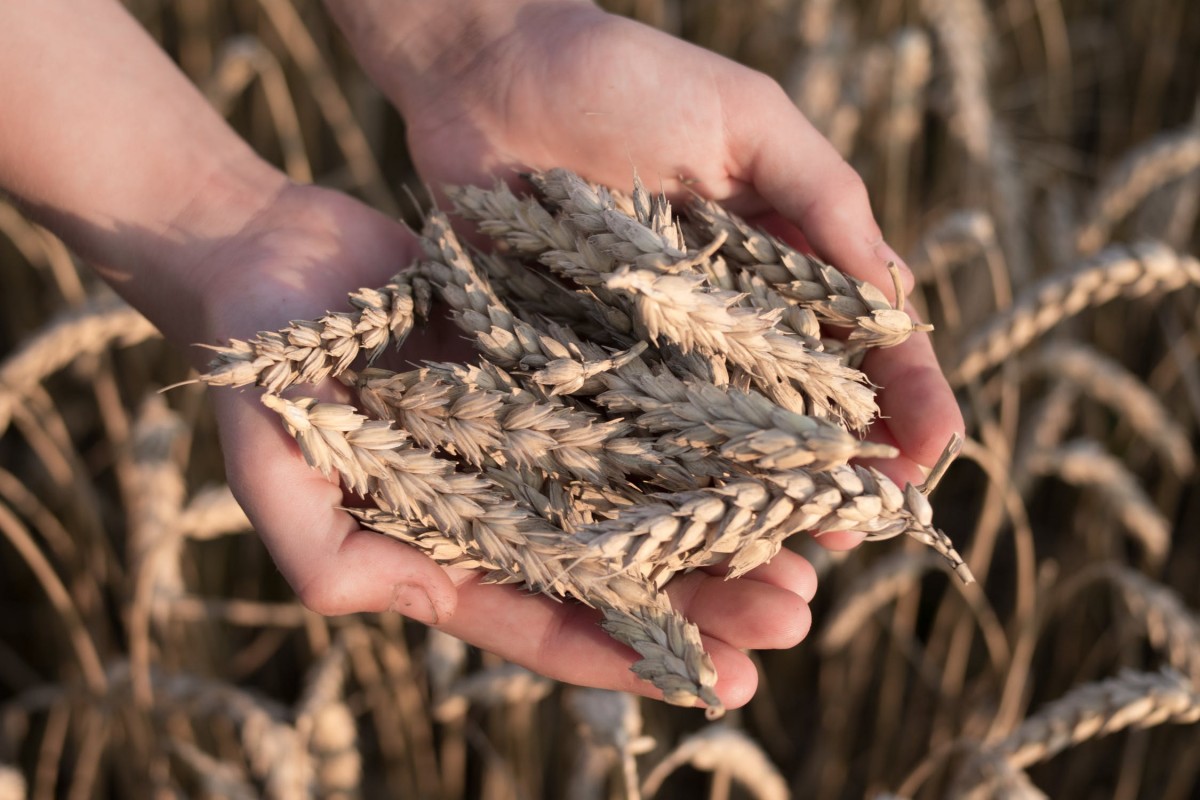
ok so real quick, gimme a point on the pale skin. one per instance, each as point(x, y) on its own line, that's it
point(117, 153)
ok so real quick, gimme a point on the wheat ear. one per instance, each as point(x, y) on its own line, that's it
point(91, 329)
point(1118, 271)
point(311, 351)
point(1131, 700)
point(1153, 164)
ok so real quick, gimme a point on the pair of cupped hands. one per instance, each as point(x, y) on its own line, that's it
point(544, 85)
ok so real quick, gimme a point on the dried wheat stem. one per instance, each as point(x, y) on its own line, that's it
point(311, 351)
point(327, 726)
point(1155, 163)
point(1118, 271)
point(880, 585)
point(1131, 700)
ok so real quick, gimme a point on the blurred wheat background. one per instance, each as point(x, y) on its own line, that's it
point(1038, 164)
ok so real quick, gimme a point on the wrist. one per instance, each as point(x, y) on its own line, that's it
point(416, 51)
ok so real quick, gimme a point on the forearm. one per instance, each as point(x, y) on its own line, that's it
point(110, 146)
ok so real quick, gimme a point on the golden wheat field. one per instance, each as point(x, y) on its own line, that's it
point(1036, 162)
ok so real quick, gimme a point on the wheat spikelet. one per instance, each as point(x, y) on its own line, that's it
point(727, 753)
point(103, 322)
point(446, 408)
point(1131, 700)
point(311, 351)
point(833, 297)
point(1171, 626)
point(1103, 379)
point(671, 307)
point(610, 725)
point(1118, 271)
point(1164, 158)
point(673, 658)
point(1084, 463)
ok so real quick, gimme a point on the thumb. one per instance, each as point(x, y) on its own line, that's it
point(334, 565)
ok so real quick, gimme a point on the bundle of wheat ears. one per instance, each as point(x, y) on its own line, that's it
point(654, 393)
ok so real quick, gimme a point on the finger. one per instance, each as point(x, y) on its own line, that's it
point(787, 570)
point(334, 566)
point(800, 174)
point(564, 641)
point(916, 400)
point(747, 614)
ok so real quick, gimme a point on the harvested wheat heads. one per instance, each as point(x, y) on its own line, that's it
point(655, 392)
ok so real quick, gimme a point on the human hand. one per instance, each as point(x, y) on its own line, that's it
point(493, 88)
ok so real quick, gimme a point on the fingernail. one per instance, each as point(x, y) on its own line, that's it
point(885, 253)
point(413, 602)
